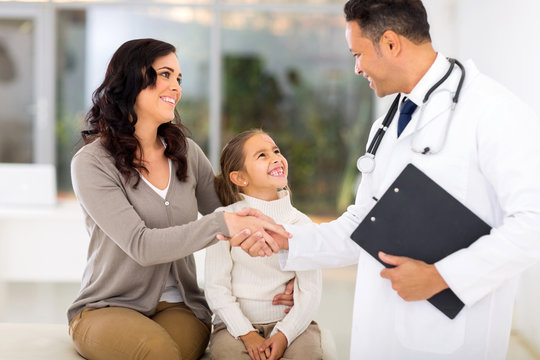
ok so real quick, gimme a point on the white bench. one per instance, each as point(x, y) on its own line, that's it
point(52, 341)
point(36, 341)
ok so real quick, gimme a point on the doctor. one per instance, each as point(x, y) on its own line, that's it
point(484, 150)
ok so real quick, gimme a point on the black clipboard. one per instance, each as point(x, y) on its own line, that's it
point(419, 219)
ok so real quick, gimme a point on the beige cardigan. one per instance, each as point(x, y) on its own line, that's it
point(136, 236)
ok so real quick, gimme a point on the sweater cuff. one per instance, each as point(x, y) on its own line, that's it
point(237, 323)
point(289, 334)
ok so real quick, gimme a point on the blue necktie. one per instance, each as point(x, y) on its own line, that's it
point(405, 112)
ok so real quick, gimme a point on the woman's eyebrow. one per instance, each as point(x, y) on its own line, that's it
point(168, 68)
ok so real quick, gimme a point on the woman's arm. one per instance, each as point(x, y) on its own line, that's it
point(102, 197)
point(207, 199)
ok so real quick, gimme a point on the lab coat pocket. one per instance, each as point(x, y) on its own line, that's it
point(422, 327)
point(449, 172)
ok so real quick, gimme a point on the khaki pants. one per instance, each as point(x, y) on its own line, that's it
point(117, 333)
point(307, 346)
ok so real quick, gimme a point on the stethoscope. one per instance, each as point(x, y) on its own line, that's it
point(366, 163)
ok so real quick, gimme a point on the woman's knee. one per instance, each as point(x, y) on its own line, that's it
point(119, 333)
point(158, 348)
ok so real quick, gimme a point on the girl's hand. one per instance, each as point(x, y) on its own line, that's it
point(280, 238)
point(287, 298)
point(265, 234)
point(253, 341)
point(277, 345)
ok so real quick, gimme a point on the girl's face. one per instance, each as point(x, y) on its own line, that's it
point(265, 168)
point(156, 104)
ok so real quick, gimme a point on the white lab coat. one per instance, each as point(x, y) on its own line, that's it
point(491, 163)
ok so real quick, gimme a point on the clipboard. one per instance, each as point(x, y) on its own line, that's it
point(417, 218)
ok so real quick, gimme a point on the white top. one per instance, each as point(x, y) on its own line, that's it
point(171, 294)
point(490, 163)
point(240, 288)
point(162, 193)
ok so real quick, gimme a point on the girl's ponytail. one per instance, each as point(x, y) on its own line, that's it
point(226, 190)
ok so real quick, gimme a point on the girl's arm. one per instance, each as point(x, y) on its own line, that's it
point(307, 297)
point(218, 290)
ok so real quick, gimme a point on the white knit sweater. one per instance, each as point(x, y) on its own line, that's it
point(240, 288)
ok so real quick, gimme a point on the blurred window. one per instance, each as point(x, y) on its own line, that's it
point(17, 94)
point(86, 42)
point(291, 74)
point(278, 65)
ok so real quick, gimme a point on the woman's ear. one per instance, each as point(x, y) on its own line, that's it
point(238, 179)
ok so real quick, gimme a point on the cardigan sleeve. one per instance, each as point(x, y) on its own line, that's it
point(102, 196)
point(205, 192)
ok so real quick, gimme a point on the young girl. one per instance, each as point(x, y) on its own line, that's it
point(239, 289)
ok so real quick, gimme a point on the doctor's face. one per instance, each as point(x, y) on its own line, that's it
point(370, 60)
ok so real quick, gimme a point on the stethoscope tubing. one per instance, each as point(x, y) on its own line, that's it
point(374, 145)
point(366, 163)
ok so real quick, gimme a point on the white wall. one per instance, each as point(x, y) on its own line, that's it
point(501, 37)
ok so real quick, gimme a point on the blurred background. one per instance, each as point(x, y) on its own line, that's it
point(281, 65)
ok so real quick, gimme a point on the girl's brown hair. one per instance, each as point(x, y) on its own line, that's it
point(232, 159)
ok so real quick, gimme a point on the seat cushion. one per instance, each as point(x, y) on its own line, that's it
point(36, 341)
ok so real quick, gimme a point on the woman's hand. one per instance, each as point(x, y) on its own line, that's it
point(253, 341)
point(287, 298)
point(277, 345)
point(263, 236)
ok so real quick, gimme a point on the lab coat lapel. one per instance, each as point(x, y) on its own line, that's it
point(434, 113)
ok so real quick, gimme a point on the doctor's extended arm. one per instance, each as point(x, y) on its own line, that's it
point(311, 246)
point(317, 246)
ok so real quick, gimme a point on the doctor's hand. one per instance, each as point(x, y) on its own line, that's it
point(412, 279)
point(254, 232)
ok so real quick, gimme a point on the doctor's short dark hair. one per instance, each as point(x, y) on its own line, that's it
point(407, 18)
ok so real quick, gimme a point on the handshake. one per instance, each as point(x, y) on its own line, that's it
point(256, 233)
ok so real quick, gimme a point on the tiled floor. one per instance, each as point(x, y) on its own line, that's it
point(47, 303)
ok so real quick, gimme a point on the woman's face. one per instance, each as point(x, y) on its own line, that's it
point(155, 104)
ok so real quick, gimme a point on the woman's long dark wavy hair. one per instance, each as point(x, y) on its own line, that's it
point(112, 117)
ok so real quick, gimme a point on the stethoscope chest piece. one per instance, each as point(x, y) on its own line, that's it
point(366, 163)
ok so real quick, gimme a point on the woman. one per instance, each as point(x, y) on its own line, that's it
point(139, 297)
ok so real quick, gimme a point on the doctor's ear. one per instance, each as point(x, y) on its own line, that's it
point(238, 178)
point(390, 41)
